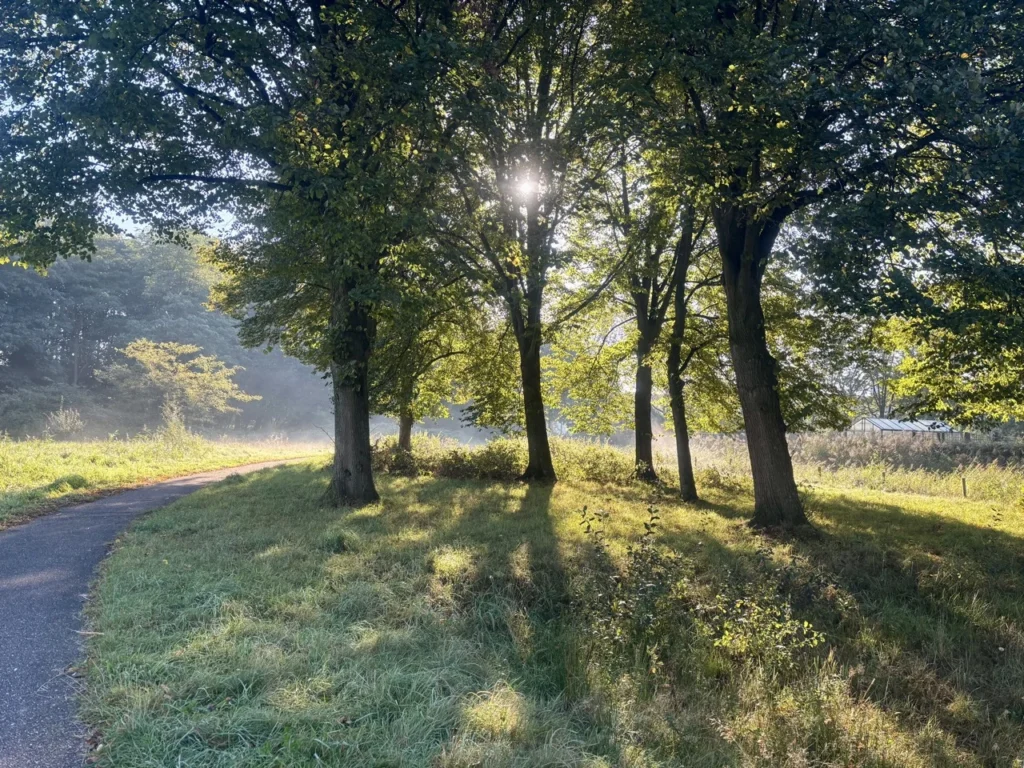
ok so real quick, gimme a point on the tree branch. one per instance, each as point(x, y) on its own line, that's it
point(226, 180)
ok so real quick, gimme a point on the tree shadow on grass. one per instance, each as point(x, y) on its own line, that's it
point(926, 611)
point(663, 496)
point(922, 610)
point(486, 558)
point(24, 503)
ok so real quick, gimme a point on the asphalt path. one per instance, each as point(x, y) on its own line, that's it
point(46, 566)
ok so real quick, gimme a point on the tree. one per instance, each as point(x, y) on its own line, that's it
point(652, 238)
point(808, 107)
point(421, 346)
point(940, 284)
point(301, 118)
point(969, 377)
point(693, 333)
point(587, 369)
point(176, 376)
point(524, 137)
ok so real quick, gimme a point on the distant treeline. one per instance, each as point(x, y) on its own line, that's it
point(60, 333)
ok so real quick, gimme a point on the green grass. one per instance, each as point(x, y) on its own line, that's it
point(39, 475)
point(250, 626)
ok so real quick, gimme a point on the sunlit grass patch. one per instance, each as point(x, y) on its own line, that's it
point(447, 626)
point(38, 475)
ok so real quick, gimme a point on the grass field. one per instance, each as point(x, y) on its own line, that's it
point(464, 622)
point(40, 475)
point(989, 471)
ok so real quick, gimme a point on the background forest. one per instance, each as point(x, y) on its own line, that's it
point(64, 338)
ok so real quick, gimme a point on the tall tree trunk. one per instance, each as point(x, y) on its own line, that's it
point(642, 426)
point(540, 466)
point(352, 335)
point(677, 401)
point(676, 365)
point(745, 247)
point(405, 422)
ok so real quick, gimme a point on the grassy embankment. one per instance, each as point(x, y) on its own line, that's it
point(474, 622)
point(40, 475)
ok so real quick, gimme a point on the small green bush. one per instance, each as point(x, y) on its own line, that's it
point(390, 458)
point(653, 616)
point(713, 478)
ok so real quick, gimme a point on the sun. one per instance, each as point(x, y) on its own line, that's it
point(526, 189)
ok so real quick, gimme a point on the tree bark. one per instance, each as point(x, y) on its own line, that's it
point(540, 466)
point(676, 365)
point(642, 425)
point(745, 247)
point(352, 335)
point(677, 401)
point(405, 422)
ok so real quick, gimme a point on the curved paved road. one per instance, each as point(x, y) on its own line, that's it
point(45, 569)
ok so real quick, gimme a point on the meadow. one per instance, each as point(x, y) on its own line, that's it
point(469, 620)
point(37, 476)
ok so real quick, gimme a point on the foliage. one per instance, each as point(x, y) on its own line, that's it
point(992, 471)
point(489, 381)
point(305, 122)
point(589, 369)
point(503, 459)
point(64, 422)
point(884, 129)
point(57, 330)
point(196, 387)
point(811, 351)
point(524, 142)
point(366, 155)
point(586, 374)
point(654, 612)
point(961, 375)
point(425, 336)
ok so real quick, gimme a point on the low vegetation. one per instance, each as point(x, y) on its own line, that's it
point(40, 475)
point(480, 622)
point(989, 471)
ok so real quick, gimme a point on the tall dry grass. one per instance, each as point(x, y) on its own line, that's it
point(991, 471)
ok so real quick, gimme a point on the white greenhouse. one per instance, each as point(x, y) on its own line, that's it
point(871, 425)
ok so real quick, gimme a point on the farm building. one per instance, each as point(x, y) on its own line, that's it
point(940, 430)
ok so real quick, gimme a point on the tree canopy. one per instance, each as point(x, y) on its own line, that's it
point(547, 210)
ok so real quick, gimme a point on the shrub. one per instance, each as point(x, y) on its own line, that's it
point(711, 477)
point(654, 617)
point(505, 460)
point(502, 459)
point(174, 434)
point(64, 422)
point(390, 458)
